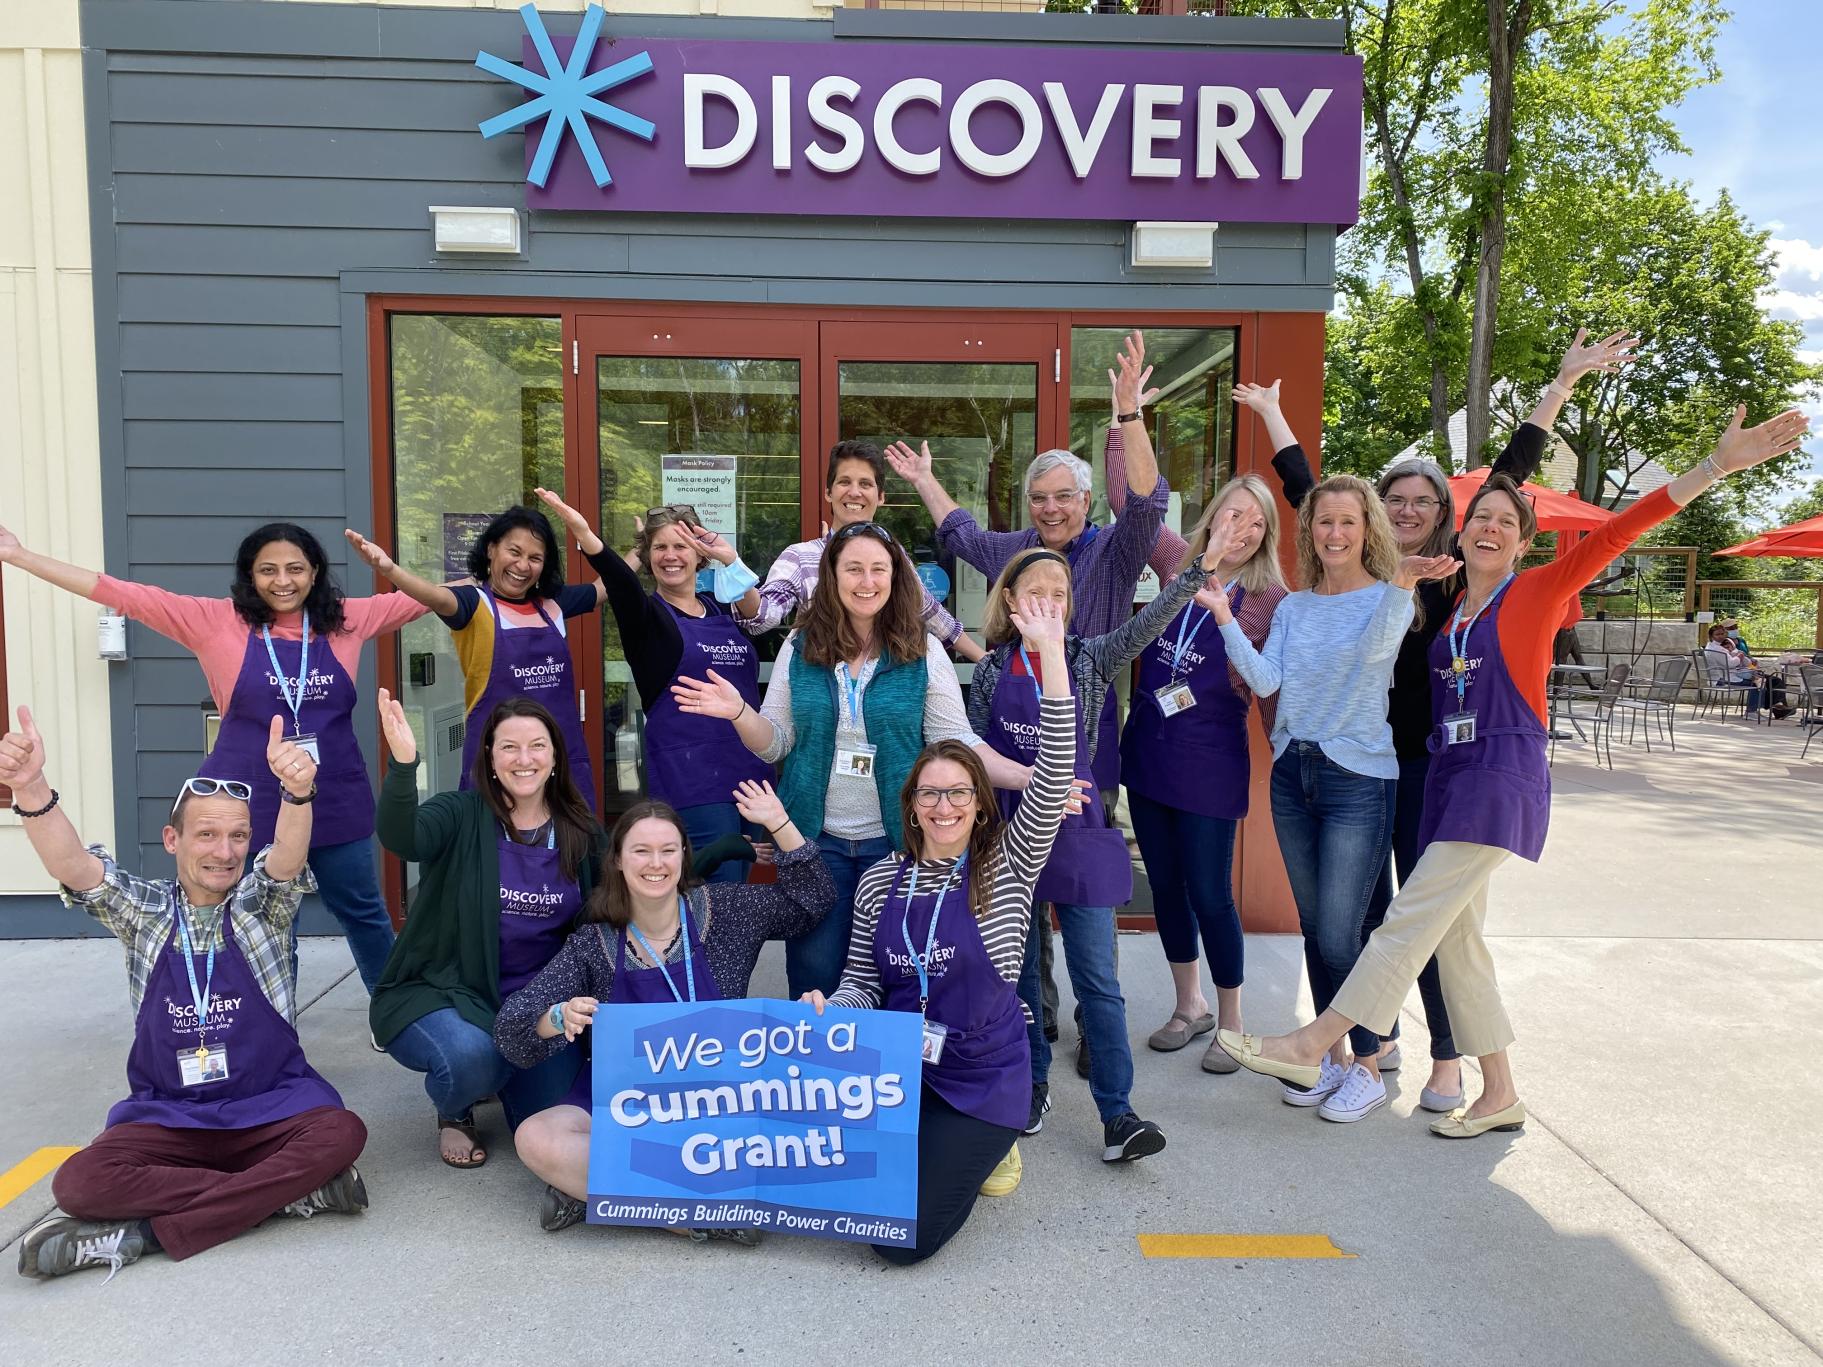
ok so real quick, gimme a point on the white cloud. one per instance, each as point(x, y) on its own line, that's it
point(1784, 303)
point(1798, 260)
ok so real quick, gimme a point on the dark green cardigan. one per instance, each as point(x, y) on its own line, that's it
point(448, 954)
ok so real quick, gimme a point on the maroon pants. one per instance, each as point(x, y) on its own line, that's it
point(201, 1187)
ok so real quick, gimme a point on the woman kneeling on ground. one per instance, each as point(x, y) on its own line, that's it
point(958, 970)
point(648, 935)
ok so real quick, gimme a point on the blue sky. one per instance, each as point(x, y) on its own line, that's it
point(1754, 133)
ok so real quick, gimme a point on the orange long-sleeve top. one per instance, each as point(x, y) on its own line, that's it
point(1535, 602)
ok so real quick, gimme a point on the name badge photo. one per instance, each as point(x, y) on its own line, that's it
point(855, 761)
point(202, 1065)
point(306, 741)
point(1175, 698)
point(935, 1033)
point(1459, 728)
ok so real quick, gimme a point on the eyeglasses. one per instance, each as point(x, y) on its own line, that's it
point(209, 787)
point(930, 797)
point(1053, 500)
point(854, 529)
point(1396, 503)
point(675, 512)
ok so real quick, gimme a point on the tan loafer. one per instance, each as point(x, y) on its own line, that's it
point(1459, 1124)
point(1245, 1050)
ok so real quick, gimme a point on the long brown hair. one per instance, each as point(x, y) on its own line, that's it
point(1261, 570)
point(997, 627)
point(574, 824)
point(983, 841)
point(826, 636)
point(611, 902)
point(1379, 547)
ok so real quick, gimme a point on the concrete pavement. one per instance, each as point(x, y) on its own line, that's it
point(1661, 966)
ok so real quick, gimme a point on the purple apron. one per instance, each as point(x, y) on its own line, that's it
point(267, 1077)
point(986, 1067)
point(1496, 789)
point(534, 663)
point(649, 986)
point(692, 761)
point(344, 807)
point(1106, 769)
point(537, 907)
point(1089, 865)
point(1196, 760)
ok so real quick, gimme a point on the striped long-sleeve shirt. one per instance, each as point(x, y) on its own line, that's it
point(792, 581)
point(1025, 844)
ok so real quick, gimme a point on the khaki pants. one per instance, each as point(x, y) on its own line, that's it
point(1439, 910)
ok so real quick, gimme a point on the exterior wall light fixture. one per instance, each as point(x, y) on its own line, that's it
point(1172, 246)
point(460, 229)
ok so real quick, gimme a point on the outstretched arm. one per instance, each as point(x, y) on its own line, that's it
point(434, 596)
point(54, 839)
point(1597, 358)
point(1129, 383)
point(69, 578)
point(914, 467)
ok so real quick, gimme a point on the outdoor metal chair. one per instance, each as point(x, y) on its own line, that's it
point(1810, 705)
point(1658, 704)
point(1711, 689)
point(1601, 719)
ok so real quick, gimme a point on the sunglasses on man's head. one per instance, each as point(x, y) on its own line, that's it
point(874, 529)
point(209, 787)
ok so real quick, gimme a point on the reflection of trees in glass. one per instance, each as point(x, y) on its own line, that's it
point(1192, 425)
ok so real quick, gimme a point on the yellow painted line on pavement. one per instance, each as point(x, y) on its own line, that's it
point(1239, 1246)
point(19, 1178)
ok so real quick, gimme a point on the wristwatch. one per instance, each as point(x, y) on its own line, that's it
point(1135, 416)
point(557, 1017)
point(285, 795)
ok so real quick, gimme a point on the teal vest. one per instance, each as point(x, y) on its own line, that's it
point(892, 708)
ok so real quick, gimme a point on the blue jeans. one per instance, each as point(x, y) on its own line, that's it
point(1335, 831)
point(350, 888)
point(708, 822)
point(814, 960)
point(1190, 865)
point(461, 1065)
point(1088, 954)
point(1408, 811)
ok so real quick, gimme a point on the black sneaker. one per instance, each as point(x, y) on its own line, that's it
point(1082, 1056)
point(559, 1210)
point(747, 1238)
point(1128, 1137)
point(345, 1193)
point(61, 1243)
point(1041, 1102)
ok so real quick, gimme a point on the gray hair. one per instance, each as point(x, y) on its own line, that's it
point(1438, 543)
point(1046, 461)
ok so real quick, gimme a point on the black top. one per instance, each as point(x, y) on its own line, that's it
point(649, 636)
point(572, 601)
point(1409, 701)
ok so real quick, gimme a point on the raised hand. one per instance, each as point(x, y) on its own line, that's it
point(1221, 536)
point(639, 531)
point(1039, 621)
point(397, 731)
point(757, 803)
point(290, 763)
point(1131, 379)
point(712, 544)
point(9, 546)
point(22, 754)
point(1597, 358)
point(714, 698)
point(375, 556)
point(573, 522)
point(909, 465)
point(1259, 397)
point(1742, 448)
point(1416, 567)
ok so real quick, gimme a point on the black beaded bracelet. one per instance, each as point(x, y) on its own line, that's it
point(771, 830)
point(25, 815)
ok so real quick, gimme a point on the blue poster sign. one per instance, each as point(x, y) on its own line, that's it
point(757, 1114)
point(935, 579)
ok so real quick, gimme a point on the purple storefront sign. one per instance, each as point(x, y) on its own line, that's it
point(982, 130)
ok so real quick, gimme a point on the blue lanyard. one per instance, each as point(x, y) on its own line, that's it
point(853, 685)
point(200, 1000)
point(1037, 688)
point(1459, 664)
point(1186, 635)
point(922, 964)
point(683, 927)
point(295, 704)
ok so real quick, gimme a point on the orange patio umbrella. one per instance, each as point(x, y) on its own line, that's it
point(1800, 539)
point(1556, 512)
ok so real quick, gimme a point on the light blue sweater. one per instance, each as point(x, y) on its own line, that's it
point(1330, 658)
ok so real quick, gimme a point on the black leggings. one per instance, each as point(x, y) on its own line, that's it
point(956, 1153)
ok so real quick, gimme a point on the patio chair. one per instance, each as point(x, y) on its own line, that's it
point(1810, 704)
point(1601, 719)
point(1658, 704)
point(1710, 688)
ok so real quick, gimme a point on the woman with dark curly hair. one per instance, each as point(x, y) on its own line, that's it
point(509, 627)
point(285, 642)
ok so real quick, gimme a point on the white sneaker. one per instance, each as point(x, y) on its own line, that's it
point(1328, 1080)
point(1360, 1093)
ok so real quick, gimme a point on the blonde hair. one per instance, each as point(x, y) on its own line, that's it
point(1379, 547)
point(998, 627)
point(1261, 570)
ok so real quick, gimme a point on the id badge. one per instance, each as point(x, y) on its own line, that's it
point(200, 1066)
point(935, 1034)
point(1175, 698)
point(1459, 728)
point(855, 761)
point(306, 741)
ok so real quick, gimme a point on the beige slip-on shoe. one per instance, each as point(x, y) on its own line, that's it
point(1458, 1124)
point(1245, 1050)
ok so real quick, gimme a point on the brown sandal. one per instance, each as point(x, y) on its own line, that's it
point(466, 1128)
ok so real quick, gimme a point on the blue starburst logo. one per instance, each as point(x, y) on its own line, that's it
point(564, 97)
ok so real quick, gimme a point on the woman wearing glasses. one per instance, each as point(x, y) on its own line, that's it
point(693, 763)
point(855, 694)
point(1488, 793)
point(504, 866)
point(509, 627)
point(284, 642)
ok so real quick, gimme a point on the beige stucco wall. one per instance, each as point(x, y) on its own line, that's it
point(50, 478)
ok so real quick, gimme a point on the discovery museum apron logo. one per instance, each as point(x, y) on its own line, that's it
point(953, 130)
